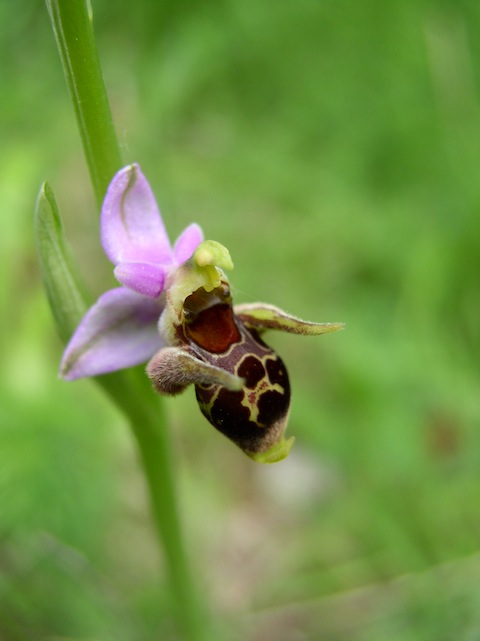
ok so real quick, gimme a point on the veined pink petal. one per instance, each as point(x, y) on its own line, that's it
point(144, 278)
point(132, 229)
point(187, 243)
point(119, 331)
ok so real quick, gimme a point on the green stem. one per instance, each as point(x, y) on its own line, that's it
point(131, 391)
point(153, 440)
point(73, 30)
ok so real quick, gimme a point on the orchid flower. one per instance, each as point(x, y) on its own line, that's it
point(174, 309)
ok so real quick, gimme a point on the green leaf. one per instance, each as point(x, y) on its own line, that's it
point(66, 295)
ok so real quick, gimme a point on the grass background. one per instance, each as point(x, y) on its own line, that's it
point(334, 148)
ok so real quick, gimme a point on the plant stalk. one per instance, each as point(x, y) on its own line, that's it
point(131, 391)
point(73, 29)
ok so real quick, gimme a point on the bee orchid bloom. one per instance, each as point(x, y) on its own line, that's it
point(174, 309)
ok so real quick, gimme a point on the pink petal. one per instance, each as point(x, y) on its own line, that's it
point(119, 331)
point(132, 229)
point(144, 278)
point(187, 243)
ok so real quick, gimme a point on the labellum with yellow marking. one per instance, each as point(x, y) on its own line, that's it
point(241, 384)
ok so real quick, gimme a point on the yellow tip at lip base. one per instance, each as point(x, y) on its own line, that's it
point(276, 453)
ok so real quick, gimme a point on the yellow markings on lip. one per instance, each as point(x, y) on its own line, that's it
point(252, 397)
point(257, 393)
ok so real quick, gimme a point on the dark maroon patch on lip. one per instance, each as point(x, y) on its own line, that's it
point(231, 418)
point(228, 412)
point(252, 370)
point(272, 406)
point(276, 371)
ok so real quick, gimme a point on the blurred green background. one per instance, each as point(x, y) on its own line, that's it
point(334, 148)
